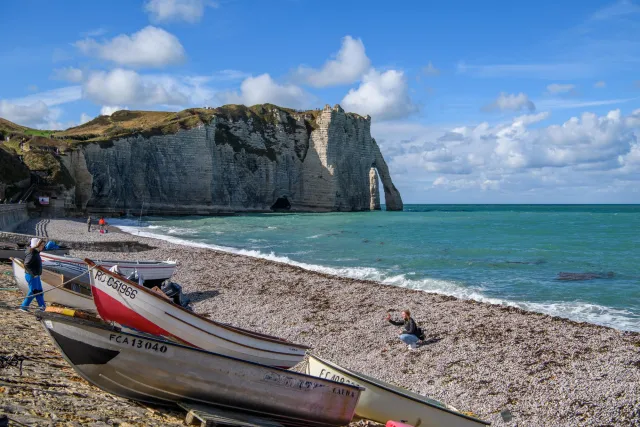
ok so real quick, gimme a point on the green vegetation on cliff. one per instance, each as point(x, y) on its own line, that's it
point(39, 150)
point(125, 123)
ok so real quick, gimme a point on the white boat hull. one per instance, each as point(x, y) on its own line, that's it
point(50, 281)
point(150, 370)
point(151, 271)
point(122, 301)
point(382, 402)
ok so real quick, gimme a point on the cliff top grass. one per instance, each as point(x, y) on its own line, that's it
point(148, 123)
point(126, 123)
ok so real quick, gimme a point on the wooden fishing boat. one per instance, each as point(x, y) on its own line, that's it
point(10, 250)
point(129, 304)
point(143, 368)
point(75, 295)
point(152, 272)
point(381, 401)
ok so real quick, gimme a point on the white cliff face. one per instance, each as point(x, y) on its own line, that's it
point(278, 161)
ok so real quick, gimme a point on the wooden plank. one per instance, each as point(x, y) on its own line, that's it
point(53, 279)
point(205, 415)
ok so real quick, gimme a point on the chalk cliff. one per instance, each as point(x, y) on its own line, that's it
point(237, 159)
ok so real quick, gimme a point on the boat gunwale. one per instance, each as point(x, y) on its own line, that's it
point(231, 341)
point(104, 326)
point(396, 392)
point(62, 288)
point(212, 322)
point(141, 264)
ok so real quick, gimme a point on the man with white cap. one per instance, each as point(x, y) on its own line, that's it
point(32, 272)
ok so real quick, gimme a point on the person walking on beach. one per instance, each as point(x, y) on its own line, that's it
point(411, 333)
point(32, 272)
point(101, 223)
point(89, 224)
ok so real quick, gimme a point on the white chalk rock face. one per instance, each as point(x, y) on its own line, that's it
point(316, 161)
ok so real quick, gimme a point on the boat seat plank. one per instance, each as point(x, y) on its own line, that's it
point(211, 416)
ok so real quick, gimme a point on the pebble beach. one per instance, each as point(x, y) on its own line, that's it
point(480, 358)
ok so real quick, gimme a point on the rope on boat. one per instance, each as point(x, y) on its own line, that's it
point(3, 304)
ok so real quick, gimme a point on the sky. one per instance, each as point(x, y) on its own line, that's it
point(471, 102)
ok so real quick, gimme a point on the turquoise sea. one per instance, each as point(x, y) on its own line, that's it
point(575, 261)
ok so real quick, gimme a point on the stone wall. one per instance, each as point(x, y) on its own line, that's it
point(237, 165)
point(11, 216)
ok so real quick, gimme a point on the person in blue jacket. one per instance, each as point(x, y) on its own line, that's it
point(32, 272)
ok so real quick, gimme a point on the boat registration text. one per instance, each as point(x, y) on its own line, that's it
point(116, 284)
point(138, 343)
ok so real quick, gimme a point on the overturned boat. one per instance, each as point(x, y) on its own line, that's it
point(73, 294)
point(129, 304)
point(382, 401)
point(156, 371)
point(153, 272)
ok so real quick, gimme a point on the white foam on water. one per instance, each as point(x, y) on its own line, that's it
point(577, 311)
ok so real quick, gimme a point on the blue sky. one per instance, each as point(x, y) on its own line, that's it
point(471, 102)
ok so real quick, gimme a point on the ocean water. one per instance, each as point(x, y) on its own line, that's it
point(576, 261)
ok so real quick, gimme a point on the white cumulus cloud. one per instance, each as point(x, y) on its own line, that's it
point(121, 86)
point(176, 10)
point(263, 89)
point(149, 47)
point(383, 95)
point(584, 154)
point(511, 102)
point(26, 115)
point(349, 65)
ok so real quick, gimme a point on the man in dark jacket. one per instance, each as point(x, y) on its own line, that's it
point(32, 272)
point(410, 332)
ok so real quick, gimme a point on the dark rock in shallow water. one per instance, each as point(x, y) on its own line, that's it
point(584, 276)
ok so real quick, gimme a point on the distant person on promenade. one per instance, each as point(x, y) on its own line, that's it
point(89, 224)
point(411, 333)
point(32, 272)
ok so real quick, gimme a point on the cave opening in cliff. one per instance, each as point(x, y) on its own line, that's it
point(282, 204)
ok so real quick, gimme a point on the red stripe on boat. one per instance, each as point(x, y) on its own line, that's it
point(112, 310)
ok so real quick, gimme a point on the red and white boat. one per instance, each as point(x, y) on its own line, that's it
point(152, 272)
point(131, 305)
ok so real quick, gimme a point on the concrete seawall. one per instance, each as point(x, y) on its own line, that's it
point(11, 216)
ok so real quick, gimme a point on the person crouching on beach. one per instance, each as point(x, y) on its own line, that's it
point(410, 334)
point(32, 272)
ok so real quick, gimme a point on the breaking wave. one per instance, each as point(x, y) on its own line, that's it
point(577, 311)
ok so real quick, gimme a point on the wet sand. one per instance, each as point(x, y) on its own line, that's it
point(481, 358)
